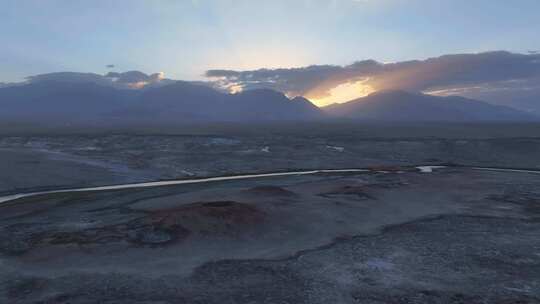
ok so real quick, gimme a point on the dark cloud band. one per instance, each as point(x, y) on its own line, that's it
point(449, 71)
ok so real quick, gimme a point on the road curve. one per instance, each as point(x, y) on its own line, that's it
point(424, 169)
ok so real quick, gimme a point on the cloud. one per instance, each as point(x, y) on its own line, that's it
point(128, 77)
point(488, 69)
point(125, 80)
point(69, 77)
point(499, 77)
point(131, 79)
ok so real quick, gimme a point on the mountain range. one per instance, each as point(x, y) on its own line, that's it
point(182, 102)
point(407, 106)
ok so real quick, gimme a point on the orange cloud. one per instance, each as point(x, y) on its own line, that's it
point(342, 93)
point(330, 83)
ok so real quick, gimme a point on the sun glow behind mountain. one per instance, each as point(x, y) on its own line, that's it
point(342, 93)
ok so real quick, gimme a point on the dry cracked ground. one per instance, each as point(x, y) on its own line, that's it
point(457, 235)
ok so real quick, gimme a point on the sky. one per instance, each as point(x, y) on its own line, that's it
point(185, 39)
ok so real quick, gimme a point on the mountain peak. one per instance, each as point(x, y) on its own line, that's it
point(300, 99)
point(393, 93)
point(399, 105)
point(262, 92)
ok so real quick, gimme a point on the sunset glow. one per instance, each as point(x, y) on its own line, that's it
point(344, 92)
point(234, 89)
point(270, 151)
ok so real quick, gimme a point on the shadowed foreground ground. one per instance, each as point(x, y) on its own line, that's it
point(451, 236)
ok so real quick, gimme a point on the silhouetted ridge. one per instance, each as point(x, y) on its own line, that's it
point(178, 102)
point(398, 105)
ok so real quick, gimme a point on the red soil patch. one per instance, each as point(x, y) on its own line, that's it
point(359, 191)
point(270, 191)
point(221, 217)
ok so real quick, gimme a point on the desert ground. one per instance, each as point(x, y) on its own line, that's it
point(394, 233)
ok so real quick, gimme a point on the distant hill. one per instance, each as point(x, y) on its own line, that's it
point(53, 101)
point(405, 106)
point(179, 102)
point(525, 100)
point(70, 103)
point(184, 100)
point(272, 105)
